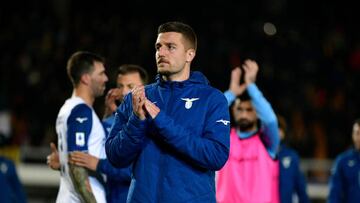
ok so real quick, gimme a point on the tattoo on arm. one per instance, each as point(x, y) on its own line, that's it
point(80, 178)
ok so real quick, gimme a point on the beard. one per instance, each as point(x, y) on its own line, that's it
point(245, 124)
point(164, 72)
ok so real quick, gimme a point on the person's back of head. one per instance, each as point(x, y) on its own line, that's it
point(182, 28)
point(132, 68)
point(80, 63)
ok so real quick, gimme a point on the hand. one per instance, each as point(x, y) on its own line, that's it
point(235, 87)
point(151, 109)
point(110, 101)
point(52, 159)
point(251, 69)
point(84, 160)
point(138, 101)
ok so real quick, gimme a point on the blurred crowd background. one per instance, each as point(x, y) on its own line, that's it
point(308, 52)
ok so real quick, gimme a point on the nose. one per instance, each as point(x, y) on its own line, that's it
point(160, 51)
point(125, 91)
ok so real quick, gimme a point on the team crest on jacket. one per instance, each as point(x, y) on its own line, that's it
point(351, 163)
point(286, 161)
point(225, 122)
point(189, 102)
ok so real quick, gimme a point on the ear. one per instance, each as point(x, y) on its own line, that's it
point(85, 79)
point(190, 55)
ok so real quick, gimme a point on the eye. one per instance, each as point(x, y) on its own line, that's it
point(172, 47)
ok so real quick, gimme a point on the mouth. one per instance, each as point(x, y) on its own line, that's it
point(162, 61)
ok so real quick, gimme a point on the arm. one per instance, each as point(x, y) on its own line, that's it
point(100, 165)
point(263, 109)
point(78, 132)
point(80, 178)
point(300, 181)
point(126, 135)
point(118, 174)
point(53, 159)
point(235, 88)
point(110, 101)
point(208, 150)
point(336, 187)
point(266, 114)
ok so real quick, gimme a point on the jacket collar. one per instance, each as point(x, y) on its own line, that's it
point(196, 77)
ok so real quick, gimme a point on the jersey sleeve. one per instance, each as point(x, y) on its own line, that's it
point(79, 127)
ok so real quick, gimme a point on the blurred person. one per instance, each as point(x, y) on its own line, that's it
point(291, 179)
point(344, 185)
point(175, 131)
point(251, 172)
point(5, 193)
point(11, 189)
point(118, 181)
point(128, 77)
point(79, 129)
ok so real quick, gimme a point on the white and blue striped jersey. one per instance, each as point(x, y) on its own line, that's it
point(78, 129)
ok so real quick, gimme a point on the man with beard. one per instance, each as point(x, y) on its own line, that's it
point(251, 172)
point(79, 129)
point(118, 181)
point(175, 131)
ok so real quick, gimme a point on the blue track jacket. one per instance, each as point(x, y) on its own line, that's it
point(292, 180)
point(118, 179)
point(175, 155)
point(345, 178)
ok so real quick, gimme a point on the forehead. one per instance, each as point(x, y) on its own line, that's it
point(169, 37)
point(98, 67)
point(242, 104)
point(129, 78)
point(356, 127)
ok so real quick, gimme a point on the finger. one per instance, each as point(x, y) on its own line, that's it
point(75, 160)
point(80, 164)
point(53, 148)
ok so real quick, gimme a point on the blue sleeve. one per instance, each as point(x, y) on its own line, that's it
point(211, 149)
point(267, 116)
point(300, 181)
point(18, 192)
point(126, 136)
point(107, 123)
point(336, 192)
point(117, 174)
point(79, 126)
point(230, 97)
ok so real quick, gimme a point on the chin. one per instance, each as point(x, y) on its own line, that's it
point(163, 72)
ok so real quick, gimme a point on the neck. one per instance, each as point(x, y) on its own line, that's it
point(180, 76)
point(84, 94)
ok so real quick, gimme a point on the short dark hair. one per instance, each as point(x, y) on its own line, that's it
point(244, 96)
point(132, 68)
point(181, 28)
point(81, 62)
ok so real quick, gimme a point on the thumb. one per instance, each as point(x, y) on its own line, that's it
point(53, 148)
